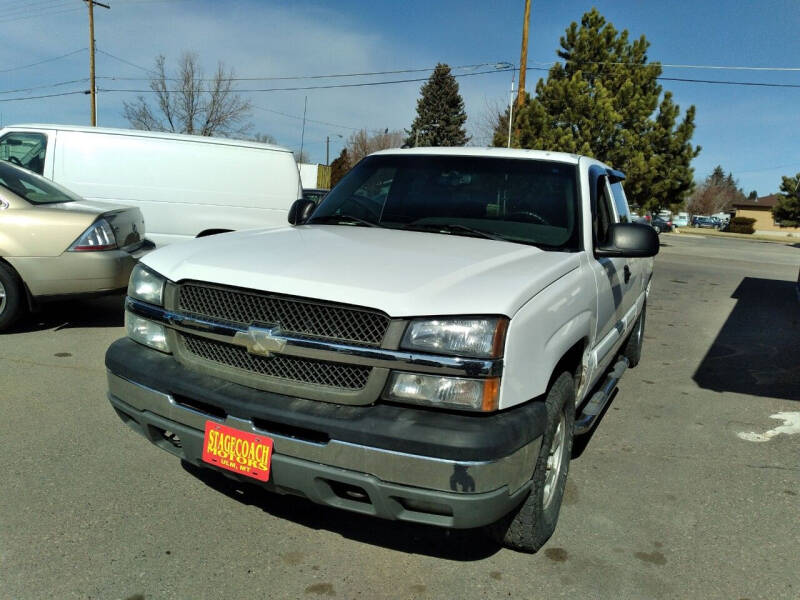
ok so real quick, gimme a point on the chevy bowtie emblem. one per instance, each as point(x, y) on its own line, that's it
point(264, 341)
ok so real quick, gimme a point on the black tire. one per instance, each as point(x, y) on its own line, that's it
point(12, 300)
point(529, 526)
point(633, 347)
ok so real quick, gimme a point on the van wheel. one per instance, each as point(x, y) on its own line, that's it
point(11, 297)
point(633, 347)
point(529, 526)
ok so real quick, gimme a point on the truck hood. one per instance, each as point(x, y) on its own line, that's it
point(403, 273)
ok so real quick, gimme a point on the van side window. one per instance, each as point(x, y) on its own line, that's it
point(24, 150)
point(621, 202)
point(605, 214)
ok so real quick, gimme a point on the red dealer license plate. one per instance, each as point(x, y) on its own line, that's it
point(238, 451)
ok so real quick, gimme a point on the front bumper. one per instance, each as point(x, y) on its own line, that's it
point(403, 463)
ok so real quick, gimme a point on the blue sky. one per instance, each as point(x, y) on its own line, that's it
point(752, 131)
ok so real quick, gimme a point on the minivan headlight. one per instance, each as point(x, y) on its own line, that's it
point(146, 285)
point(474, 337)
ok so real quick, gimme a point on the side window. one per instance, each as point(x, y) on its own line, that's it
point(621, 202)
point(605, 213)
point(24, 150)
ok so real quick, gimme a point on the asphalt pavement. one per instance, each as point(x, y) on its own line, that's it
point(689, 487)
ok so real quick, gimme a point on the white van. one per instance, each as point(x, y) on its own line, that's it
point(186, 186)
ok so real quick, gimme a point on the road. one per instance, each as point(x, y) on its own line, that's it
point(667, 500)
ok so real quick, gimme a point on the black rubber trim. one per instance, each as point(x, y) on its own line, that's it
point(462, 436)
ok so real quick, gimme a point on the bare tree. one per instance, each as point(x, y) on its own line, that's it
point(191, 103)
point(301, 157)
point(264, 138)
point(360, 143)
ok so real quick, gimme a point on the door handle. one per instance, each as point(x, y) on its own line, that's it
point(627, 271)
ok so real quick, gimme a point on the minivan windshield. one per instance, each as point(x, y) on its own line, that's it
point(32, 187)
point(518, 200)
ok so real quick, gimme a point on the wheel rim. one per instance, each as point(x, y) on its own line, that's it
point(2, 298)
point(555, 461)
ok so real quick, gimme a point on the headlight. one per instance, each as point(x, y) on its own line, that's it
point(146, 332)
point(445, 392)
point(480, 338)
point(146, 285)
point(99, 236)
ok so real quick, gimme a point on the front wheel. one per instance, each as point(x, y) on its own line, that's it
point(633, 347)
point(529, 526)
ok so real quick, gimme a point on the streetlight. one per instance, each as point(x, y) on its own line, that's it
point(328, 148)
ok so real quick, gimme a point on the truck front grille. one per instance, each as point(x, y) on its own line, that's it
point(300, 316)
point(335, 375)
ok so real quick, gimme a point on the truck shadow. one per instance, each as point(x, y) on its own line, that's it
point(458, 545)
point(105, 311)
point(757, 351)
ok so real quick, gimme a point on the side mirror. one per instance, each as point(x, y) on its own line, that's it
point(629, 240)
point(300, 211)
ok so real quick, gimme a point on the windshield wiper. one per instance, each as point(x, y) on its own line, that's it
point(333, 219)
point(455, 227)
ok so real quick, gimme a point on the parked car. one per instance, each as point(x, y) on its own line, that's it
point(660, 224)
point(705, 222)
point(383, 355)
point(55, 245)
point(681, 220)
point(185, 185)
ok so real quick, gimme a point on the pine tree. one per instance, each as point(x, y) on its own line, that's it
point(605, 101)
point(340, 166)
point(787, 211)
point(440, 112)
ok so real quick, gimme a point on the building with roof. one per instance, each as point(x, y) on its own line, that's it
point(760, 209)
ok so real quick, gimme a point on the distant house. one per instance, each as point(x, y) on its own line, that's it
point(760, 209)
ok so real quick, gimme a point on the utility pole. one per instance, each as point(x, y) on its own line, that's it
point(523, 56)
point(93, 88)
point(510, 111)
point(303, 132)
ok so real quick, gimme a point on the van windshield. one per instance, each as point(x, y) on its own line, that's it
point(32, 187)
point(518, 200)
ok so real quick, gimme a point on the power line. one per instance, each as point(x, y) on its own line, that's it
point(319, 87)
point(42, 87)
point(721, 82)
point(84, 92)
point(41, 14)
point(122, 60)
point(41, 62)
point(499, 67)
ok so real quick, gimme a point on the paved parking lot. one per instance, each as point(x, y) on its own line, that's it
point(673, 497)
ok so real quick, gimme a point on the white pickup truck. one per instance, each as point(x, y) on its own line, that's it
point(417, 347)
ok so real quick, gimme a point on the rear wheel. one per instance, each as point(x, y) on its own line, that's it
point(11, 297)
point(529, 526)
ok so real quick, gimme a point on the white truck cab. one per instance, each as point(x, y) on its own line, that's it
point(417, 347)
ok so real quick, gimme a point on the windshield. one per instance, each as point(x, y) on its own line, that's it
point(519, 200)
point(31, 187)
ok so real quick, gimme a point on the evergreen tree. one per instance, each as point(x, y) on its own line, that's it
point(753, 195)
point(440, 112)
point(340, 166)
point(787, 211)
point(604, 101)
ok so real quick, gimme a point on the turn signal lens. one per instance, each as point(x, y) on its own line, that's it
point(445, 392)
point(146, 332)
